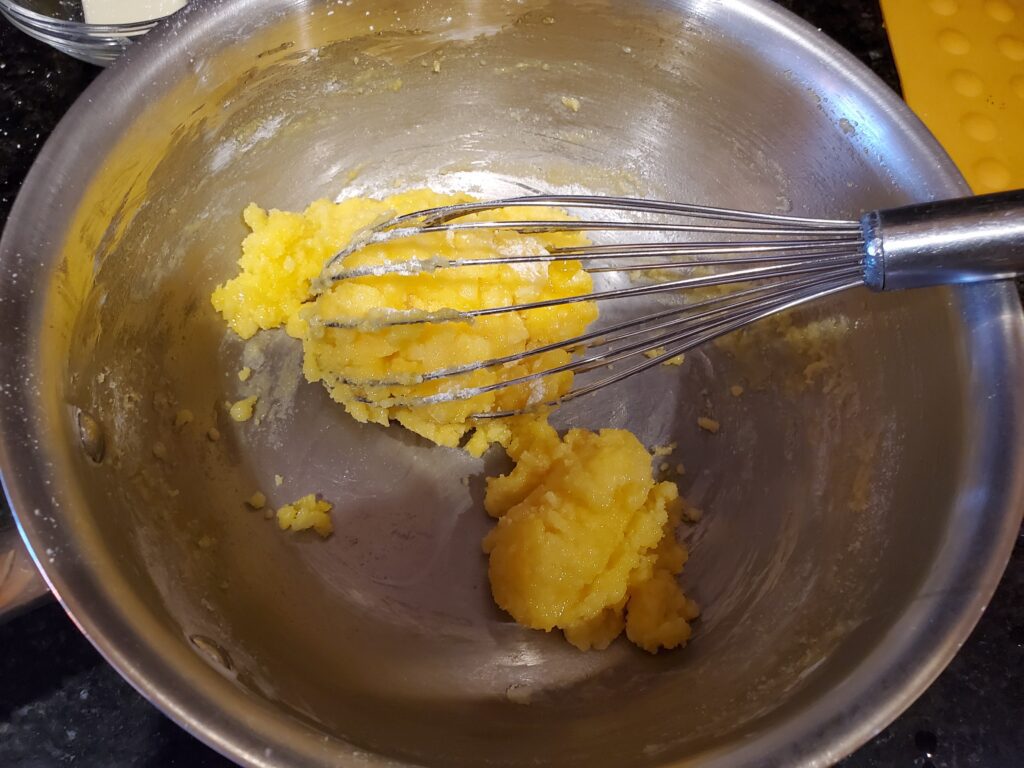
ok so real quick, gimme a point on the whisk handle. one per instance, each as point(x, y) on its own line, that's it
point(963, 240)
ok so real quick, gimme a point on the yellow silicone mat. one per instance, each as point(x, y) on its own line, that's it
point(961, 63)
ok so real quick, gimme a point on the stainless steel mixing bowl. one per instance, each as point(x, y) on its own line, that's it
point(861, 498)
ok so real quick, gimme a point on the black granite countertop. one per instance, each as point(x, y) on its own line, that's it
point(61, 704)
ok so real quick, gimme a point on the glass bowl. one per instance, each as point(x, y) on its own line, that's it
point(62, 24)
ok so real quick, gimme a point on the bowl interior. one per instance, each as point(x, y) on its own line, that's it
point(828, 493)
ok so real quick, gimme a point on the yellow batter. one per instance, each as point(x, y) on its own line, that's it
point(585, 539)
point(584, 534)
point(307, 512)
point(287, 250)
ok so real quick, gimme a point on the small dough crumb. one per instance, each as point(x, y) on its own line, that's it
point(680, 469)
point(437, 66)
point(708, 424)
point(183, 417)
point(278, 480)
point(257, 500)
point(205, 542)
point(549, 19)
point(659, 351)
point(242, 410)
point(571, 102)
point(663, 450)
point(735, 390)
point(160, 450)
point(307, 512)
point(213, 434)
point(663, 466)
point(245, 373)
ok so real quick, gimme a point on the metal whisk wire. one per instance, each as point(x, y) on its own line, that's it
point(809, 235)
point(787, 261)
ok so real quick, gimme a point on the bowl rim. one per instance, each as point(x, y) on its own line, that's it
point(157, 664)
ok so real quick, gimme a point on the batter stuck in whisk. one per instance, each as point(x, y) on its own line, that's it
point(585, 539)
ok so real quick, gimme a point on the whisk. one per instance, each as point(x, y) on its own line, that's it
point(761, 264)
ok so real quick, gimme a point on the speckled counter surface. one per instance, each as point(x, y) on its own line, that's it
point(60, 704)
